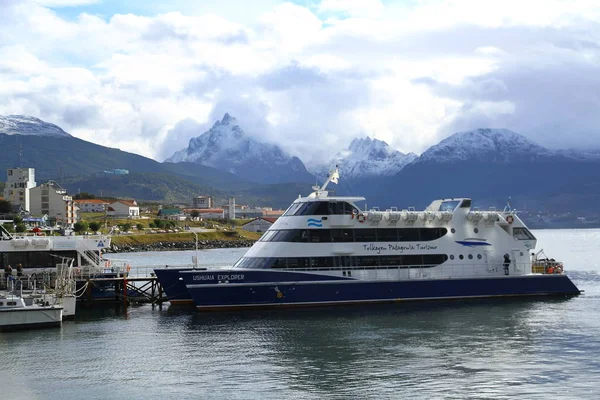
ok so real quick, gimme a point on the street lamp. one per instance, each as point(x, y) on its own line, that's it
point(196, 256)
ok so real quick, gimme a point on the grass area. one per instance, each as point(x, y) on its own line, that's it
point(141, 239)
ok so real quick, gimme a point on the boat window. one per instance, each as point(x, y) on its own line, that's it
point(314, 208)
point(1, 304)
point(341, 208)
point(522, 234)
point(466, 203)
point(354, 235)
point(319, 235)
point(365, 235)
point(352, 262)
point(448, 205)
point(387, 235)
point(293, 209)
point(433, 233)
point(342, 235)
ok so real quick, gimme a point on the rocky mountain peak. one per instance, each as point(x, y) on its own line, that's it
point(226, 146)
point(31, 126)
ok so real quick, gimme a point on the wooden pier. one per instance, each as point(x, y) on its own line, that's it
point(121, 290)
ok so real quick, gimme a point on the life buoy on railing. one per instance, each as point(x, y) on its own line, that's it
point(354, 213)
point(128, 267)
point(361, 218)
point(510, 219)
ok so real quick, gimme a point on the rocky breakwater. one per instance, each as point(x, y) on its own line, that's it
point(169, 246)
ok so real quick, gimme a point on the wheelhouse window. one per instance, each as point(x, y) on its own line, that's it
point(449, 205)
point(321, 208)
point(522, 234)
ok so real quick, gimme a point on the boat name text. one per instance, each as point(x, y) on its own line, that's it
point(400, 248)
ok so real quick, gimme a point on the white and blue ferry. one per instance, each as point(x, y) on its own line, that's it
point(324, 250)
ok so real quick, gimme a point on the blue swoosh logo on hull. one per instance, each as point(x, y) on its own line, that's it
point(314, 222)
point(473, 244)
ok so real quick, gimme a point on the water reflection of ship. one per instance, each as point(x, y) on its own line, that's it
point(353, 350)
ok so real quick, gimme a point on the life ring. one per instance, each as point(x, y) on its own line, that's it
point(354, 213)
point(361, 218)
point(510, 219)
point(128, 267)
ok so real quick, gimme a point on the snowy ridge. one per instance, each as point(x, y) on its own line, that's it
point(226, 146)
point(26, 125)
point(368, 157)
point(491, 145)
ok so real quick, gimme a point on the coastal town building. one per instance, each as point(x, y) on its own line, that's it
point(172, 214)
point(92, 205)
point(261, 224)
point(203, 202)
point(206, 213)
point(123, 209)
point(18, 183)
point(52, 200)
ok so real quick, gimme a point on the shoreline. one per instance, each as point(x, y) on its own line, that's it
point(177, 245)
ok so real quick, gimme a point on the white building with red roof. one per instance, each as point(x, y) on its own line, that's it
point(92, 205)
point(123, 209)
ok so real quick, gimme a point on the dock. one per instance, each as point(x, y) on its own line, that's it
point(120, 290)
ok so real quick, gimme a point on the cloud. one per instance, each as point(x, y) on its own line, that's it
point(310, 78)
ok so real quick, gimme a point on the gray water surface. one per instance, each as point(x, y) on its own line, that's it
point(520, 348)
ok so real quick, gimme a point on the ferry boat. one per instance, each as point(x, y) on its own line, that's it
point(38, 253)
point(325, 250)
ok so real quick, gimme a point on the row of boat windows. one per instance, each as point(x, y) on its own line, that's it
point(425, 260)
point(321, 208)
point(9, 303)
point(34, 259)
point(354, 235)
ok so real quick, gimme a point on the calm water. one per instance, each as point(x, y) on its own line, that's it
point(473, 349)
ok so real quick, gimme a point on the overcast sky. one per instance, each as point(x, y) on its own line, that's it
point(147, 76)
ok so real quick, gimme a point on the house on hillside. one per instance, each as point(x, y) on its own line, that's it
point(92, 205)
point(123, 209)
point(260, 224)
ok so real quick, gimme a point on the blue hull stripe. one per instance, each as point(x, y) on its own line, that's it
point(269, 294)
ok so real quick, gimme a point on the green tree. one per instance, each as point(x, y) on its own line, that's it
point(21, 227)
point(80, 226)
point(140, 227)
point(5, 207)
point(9, 226)
point(125, 227)
point(95, 226)
point(195, 214)
point(17, 220)
point(159, 223)
point(151, 225)
point(83, 196)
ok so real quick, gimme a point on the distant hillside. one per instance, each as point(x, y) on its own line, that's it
point(170, 188)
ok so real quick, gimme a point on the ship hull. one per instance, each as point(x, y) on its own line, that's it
point(324, 292)
point(173, 286)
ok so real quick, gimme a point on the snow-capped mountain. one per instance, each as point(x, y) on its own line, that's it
point(366, 157)
point(227, 147)
point(490, 145)
point(31, 126)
